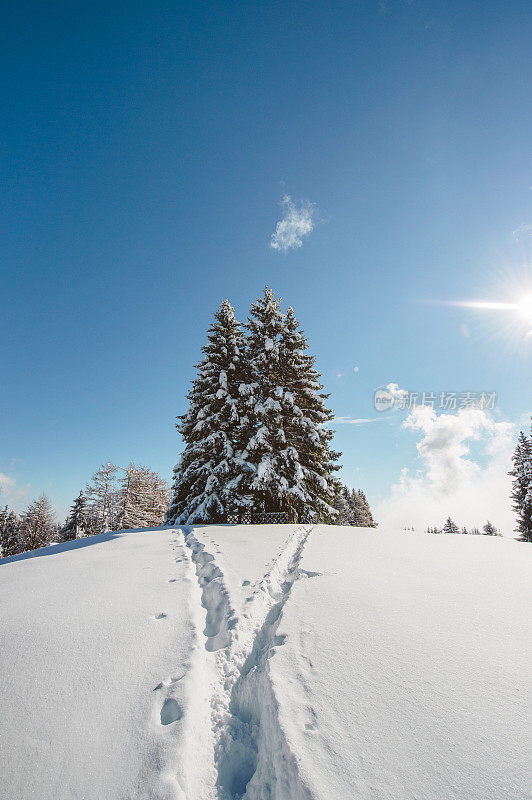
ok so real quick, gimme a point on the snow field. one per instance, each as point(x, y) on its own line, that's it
point(276, 662)
point(403, 673)
point(101, 644)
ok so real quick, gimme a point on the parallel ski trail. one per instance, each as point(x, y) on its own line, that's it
point(243, 728)
point(182, 704)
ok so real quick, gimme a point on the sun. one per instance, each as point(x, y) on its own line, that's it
point(525, 308)
point(503, 314)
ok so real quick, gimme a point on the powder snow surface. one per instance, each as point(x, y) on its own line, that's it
point(277, 662)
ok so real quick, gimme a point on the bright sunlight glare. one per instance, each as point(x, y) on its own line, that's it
point(514, 324)
point(525, 308)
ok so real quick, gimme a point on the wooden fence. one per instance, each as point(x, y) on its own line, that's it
point(258, 518)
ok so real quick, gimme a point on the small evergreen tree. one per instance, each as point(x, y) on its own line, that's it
point(464, 530)
point(3, 519)
point(490, 530)
point(37, 523)
point(11, 542)
point(343, 507)
point(475, 531)
point(450, 526)
point(361, 513)
point(522, 486)
point(76, 524)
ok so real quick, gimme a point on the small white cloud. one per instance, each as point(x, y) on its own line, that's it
point(9, 491)
point(396, 392)
point(296, 224)
point(522, 232)
point(7, 483)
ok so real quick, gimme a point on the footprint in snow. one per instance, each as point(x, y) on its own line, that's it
point(169, 682)
point(246, 583)
point(308, 574)
point(172, 580)
point(160, 615)
point(312, 724)
point(171, 711)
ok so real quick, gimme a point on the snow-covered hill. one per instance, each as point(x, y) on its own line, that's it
point(265, 662)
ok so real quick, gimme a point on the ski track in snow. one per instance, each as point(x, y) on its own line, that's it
point(251, 757)
point(181, 699)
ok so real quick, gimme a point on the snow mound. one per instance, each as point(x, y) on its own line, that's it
point(277, 662)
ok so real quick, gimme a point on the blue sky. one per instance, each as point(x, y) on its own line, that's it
point(146, 150)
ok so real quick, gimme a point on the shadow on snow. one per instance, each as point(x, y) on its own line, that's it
point(75, 544)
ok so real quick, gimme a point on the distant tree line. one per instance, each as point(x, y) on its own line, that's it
point(451, 527)
point(117, 498)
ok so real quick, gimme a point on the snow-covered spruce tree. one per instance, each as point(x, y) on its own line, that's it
point(3, 519)
point(209, 479)
point(76, 524)
point(11, 542)
point(273, 466)
point(37, 523)
point(307, 432)
point(522, 487)
point(450, 526)
point(103, 509)
point(360, 511)
point(288, 445)
point(490, 530)
point(143, 498)
point(342, 506)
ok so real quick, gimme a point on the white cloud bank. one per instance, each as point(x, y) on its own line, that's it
point(451, 482)
point(9, 491)
point(295, 225)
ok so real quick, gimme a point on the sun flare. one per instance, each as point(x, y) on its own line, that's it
point(503, 314)
point(525, 308)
